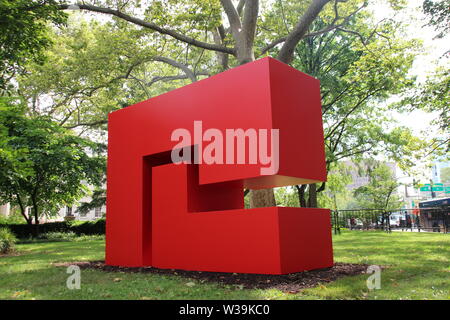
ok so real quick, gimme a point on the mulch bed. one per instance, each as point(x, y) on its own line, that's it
point(291, 283)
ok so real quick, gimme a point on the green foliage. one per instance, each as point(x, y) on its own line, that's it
point(58, 236)
point(336, 195)
point(96, 227)
point(93, 69)
point(44, 166)
point(286, 197)
point(433, 96)
point(7, 241)
point(379, 193)
point(24, 33)
point(89, 227)
point(14, 218)
point(98, 199)
point(438, 12)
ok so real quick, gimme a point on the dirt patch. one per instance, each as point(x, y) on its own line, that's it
point(291, 283)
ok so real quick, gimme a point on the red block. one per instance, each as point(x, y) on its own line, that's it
point(191, 216)
point(272, 240)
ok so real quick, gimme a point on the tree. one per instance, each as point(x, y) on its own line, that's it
point(379, 193)
point(43, 165)
point(23, 33)
point(445, 175)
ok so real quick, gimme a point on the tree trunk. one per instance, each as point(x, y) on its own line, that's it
point(36, 218)
point(301, 195)
point(262, 198)
point(312, 199)
point(29, 220)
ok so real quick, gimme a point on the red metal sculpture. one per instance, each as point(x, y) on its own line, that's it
point(191, 216)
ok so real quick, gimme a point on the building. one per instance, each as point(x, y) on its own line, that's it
point(435, 214)
point(359, 179)
point(4, 209)
point(407, 190)
point(71, 212)
point(436, 170)
point(66, 212)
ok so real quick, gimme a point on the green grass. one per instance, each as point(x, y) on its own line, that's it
point(418, 268)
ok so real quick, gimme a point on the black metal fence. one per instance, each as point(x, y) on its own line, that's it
point(413, 220)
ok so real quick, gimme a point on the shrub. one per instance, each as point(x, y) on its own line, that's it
point(7, 240)
point(58, 236)
point(89, 227)
point(24, 231)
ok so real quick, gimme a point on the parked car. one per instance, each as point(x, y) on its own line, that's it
point(395, 219)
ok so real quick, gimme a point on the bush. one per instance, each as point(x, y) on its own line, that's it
point(89, 227)
point(57, 236)
point(24, 231)
point(7, 241)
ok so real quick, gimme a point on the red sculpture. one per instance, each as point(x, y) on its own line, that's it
point(191, 216)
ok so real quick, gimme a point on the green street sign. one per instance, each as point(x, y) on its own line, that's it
point(426, 188)
point(447, 189)
point(438, 188)
point(438, 185)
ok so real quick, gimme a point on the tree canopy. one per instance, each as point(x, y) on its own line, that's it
point(44, 166)
point(24, 33)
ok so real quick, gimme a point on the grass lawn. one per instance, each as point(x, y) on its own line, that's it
point(419, 268)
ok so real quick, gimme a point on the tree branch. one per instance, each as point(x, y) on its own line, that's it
point(176, 64)
point(87, 124)
point(240, 6)
point(149, 25)
point(329, 28)
point(286, 53)
point(233, 17)
point(249, 22)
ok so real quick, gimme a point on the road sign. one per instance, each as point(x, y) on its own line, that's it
point(447, 189)
point(426, 188)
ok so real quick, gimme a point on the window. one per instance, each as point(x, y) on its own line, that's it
point(98, 212)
